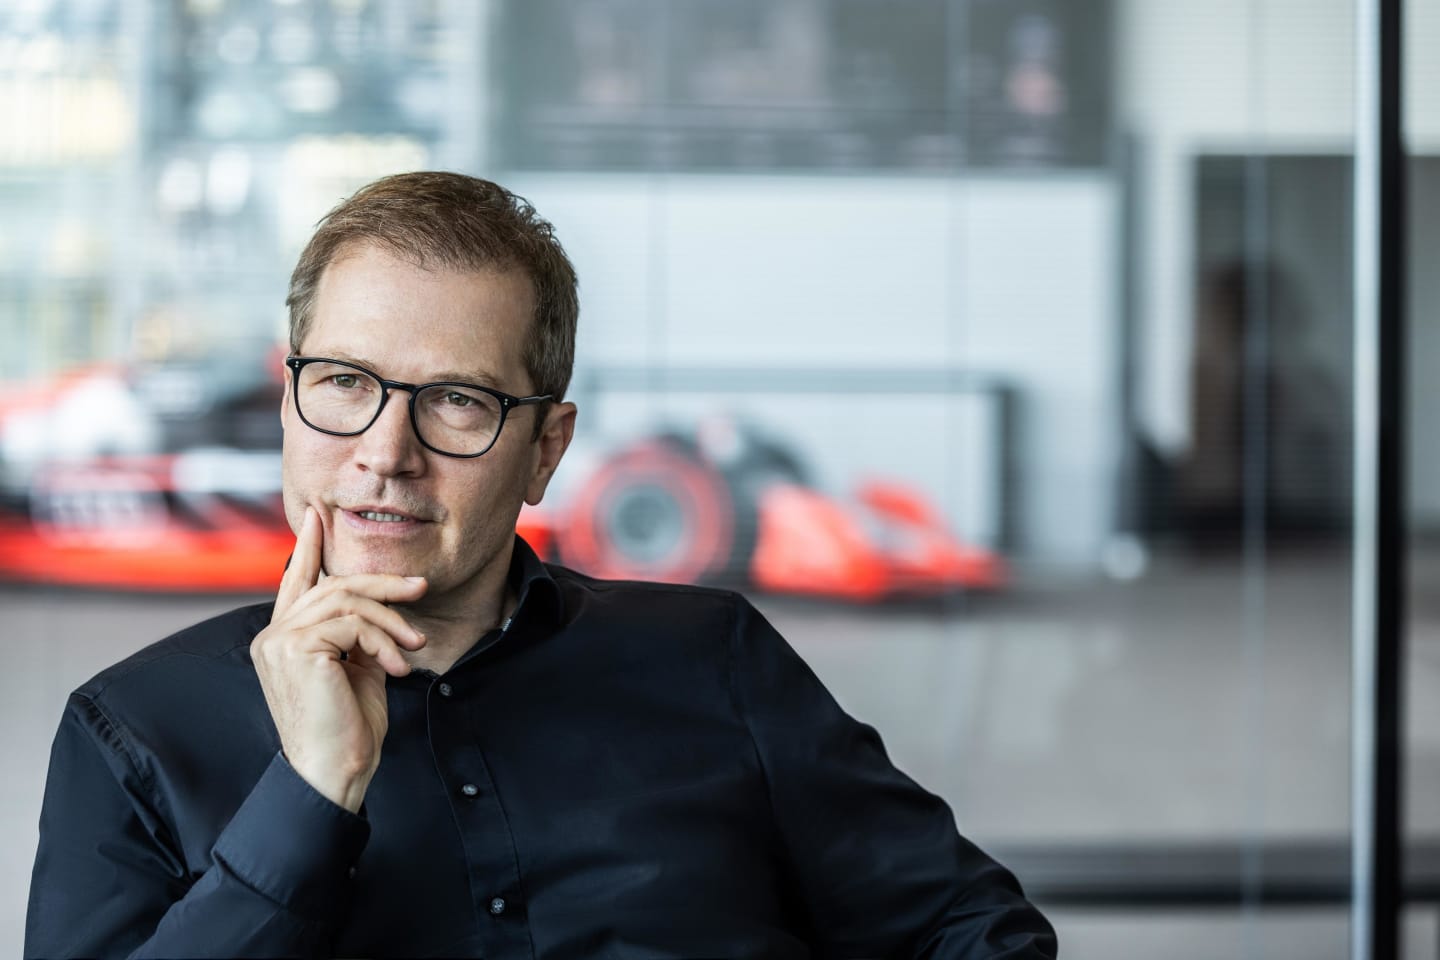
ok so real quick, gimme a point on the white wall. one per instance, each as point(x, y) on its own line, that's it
point(1011, 276)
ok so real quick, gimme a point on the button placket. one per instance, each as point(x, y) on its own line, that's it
point(454, 722)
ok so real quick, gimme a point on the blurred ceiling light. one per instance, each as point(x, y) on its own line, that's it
point(239, 45)
point(204, 8)
point(319, 172)
point(59, 119)
point(228, 184)
point(40, 54)
point(223, 113)
point(180, 186)
point(422, 96)
point(27, 15)
point(75, 249)
point(292, 41)
point(352, 157)
point(311, 90)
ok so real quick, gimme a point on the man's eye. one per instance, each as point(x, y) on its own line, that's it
point(459, 399)
point(344, 380)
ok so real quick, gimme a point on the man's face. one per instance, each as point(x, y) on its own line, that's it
point(414, 325)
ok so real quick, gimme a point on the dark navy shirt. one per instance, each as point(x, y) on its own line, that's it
point(627, 770)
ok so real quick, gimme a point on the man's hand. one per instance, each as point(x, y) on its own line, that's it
point(322, 664)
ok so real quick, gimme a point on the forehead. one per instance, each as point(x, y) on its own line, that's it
point(410, 321)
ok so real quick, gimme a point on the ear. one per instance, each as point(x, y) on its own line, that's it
point(554, 439)
point(288, 382)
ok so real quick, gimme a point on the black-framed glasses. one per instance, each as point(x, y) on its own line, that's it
point(455, 419)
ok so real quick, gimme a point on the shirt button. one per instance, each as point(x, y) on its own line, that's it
point(446, 689)
point(470, 790)
point(353, 872)
point(497, 906)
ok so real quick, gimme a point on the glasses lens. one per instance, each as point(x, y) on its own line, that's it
point(457, 419)
point(334, 397)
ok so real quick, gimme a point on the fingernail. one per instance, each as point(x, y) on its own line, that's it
point(416, 579)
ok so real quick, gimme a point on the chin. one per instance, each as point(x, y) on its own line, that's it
point(348, 563)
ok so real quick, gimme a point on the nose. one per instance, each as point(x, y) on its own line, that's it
point(390, 448)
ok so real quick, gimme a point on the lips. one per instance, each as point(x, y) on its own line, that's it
point(380, 513)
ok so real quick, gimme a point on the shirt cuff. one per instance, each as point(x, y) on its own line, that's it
point(292, 844)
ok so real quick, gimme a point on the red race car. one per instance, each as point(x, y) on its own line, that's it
point(168, 479)
point(724, 504)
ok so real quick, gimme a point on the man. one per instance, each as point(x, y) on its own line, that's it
point(433, 744)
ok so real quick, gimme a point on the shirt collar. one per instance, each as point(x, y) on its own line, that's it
point(539, 604)
point(539, 598)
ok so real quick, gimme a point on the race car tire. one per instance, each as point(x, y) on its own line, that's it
point(656, 512)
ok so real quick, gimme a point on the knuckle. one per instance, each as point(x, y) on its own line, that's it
point(327, 588)
point(263, 643)
point(373, 637)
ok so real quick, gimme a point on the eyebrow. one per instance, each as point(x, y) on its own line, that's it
point(464, 376)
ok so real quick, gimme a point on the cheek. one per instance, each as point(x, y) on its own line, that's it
point(294, 483)
point(490, 498)
point(308, 468)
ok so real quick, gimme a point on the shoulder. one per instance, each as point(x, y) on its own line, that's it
point(637, 603)
point(664, 617)
point(199, 650)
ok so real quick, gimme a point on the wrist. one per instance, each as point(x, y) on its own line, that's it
point(344, 789)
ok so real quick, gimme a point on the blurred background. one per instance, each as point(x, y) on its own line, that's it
point(1001, 349)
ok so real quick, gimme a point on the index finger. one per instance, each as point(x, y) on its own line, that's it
point(303, 571)
point(381, 587)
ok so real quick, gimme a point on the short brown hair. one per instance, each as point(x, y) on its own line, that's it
point(463, 223)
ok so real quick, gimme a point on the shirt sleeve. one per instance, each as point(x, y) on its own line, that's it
point(876, 860)
point(111, 881)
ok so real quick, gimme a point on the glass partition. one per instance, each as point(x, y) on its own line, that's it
point(1421, 742)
